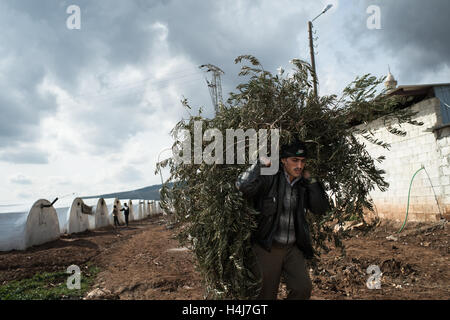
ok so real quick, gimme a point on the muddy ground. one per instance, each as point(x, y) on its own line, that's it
point(145, 261)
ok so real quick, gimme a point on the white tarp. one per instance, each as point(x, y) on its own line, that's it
point(42, 224)
point(25, 226)
point(130, 216)
point(78, 221)
point(101, 214)
point(150, 208)
point(63, 218)
point(155, 207)
point(144, 208)
point(99, 217)
point(91, 217)
point(136, 213)
point(141, 209)
point(12, 229)
point(110, 202)
point(132, 213)
point(62, 207)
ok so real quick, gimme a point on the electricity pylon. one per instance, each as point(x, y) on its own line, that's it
point(215, 85)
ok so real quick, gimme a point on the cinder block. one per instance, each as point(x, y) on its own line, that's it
point(442, 142)
point(445, 150)
point(436, 181)
point(444, 180)
point(445, 161)
point(446, 170)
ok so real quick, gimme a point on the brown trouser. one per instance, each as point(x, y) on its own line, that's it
point(288, 261)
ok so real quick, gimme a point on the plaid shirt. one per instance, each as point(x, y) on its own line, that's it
point(285, 233)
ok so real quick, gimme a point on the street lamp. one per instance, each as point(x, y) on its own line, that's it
point(311, 47)
point(160, 170)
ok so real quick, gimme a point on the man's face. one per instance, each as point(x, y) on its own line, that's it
point(294, 166)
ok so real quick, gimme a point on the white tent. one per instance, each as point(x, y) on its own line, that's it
point(12, 227)
point(144, 208)
point(110, 202)
point(42, 224)
point(136, 212)
point(26, 226)
point(78, 217)
point(99, 218)
point(132, 213)
point(62, 207)
point(155, 208)
point(91, 217)
point(141, 209)
point(101, 214)
point(63, 218)
point(130, 206)
point(149, 208)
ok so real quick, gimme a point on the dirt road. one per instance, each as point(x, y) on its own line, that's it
point(144, 261)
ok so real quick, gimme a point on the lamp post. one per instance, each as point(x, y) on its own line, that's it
point(311, 47)
point(160, 171)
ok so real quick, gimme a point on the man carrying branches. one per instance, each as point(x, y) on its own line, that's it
point(281, 241)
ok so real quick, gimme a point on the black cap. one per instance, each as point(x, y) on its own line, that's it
point(296, 148)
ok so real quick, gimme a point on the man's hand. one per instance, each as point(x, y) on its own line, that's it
point(264, 161)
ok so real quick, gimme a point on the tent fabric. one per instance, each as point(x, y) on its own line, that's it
point(132, 214)
point(141, 209)
point(136, 213)
point(86, 209)
point(12, 230)
point(91, 217)
point(99, 217)
point(24, 227)
point(130, 206)
point(63, 218)
point(101, 214)
point(78, 222)
point(42, 224)
point(110, 202)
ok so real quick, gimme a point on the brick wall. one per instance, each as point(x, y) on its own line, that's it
point(406, 155)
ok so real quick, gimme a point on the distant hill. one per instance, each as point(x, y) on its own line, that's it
point(146, 193)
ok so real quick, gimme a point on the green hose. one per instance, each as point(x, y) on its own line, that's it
point(409, 193)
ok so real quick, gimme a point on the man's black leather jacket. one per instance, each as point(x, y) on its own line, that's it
point(267, 193)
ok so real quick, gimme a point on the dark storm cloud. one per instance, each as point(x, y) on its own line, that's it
point(216, 32)
point(414, 33)
point(36, 45)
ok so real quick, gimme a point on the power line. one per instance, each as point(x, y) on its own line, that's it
point(130, 86)
point(139, 91)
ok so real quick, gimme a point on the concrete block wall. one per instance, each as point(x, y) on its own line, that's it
point(430, 189)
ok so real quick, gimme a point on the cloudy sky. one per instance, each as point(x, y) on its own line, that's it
point(89, 110)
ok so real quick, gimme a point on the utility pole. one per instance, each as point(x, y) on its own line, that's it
point(215, 85)
point(313, 61)
point(311, 48)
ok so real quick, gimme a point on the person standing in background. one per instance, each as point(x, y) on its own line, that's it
point(116, 216)
point(126, 212)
